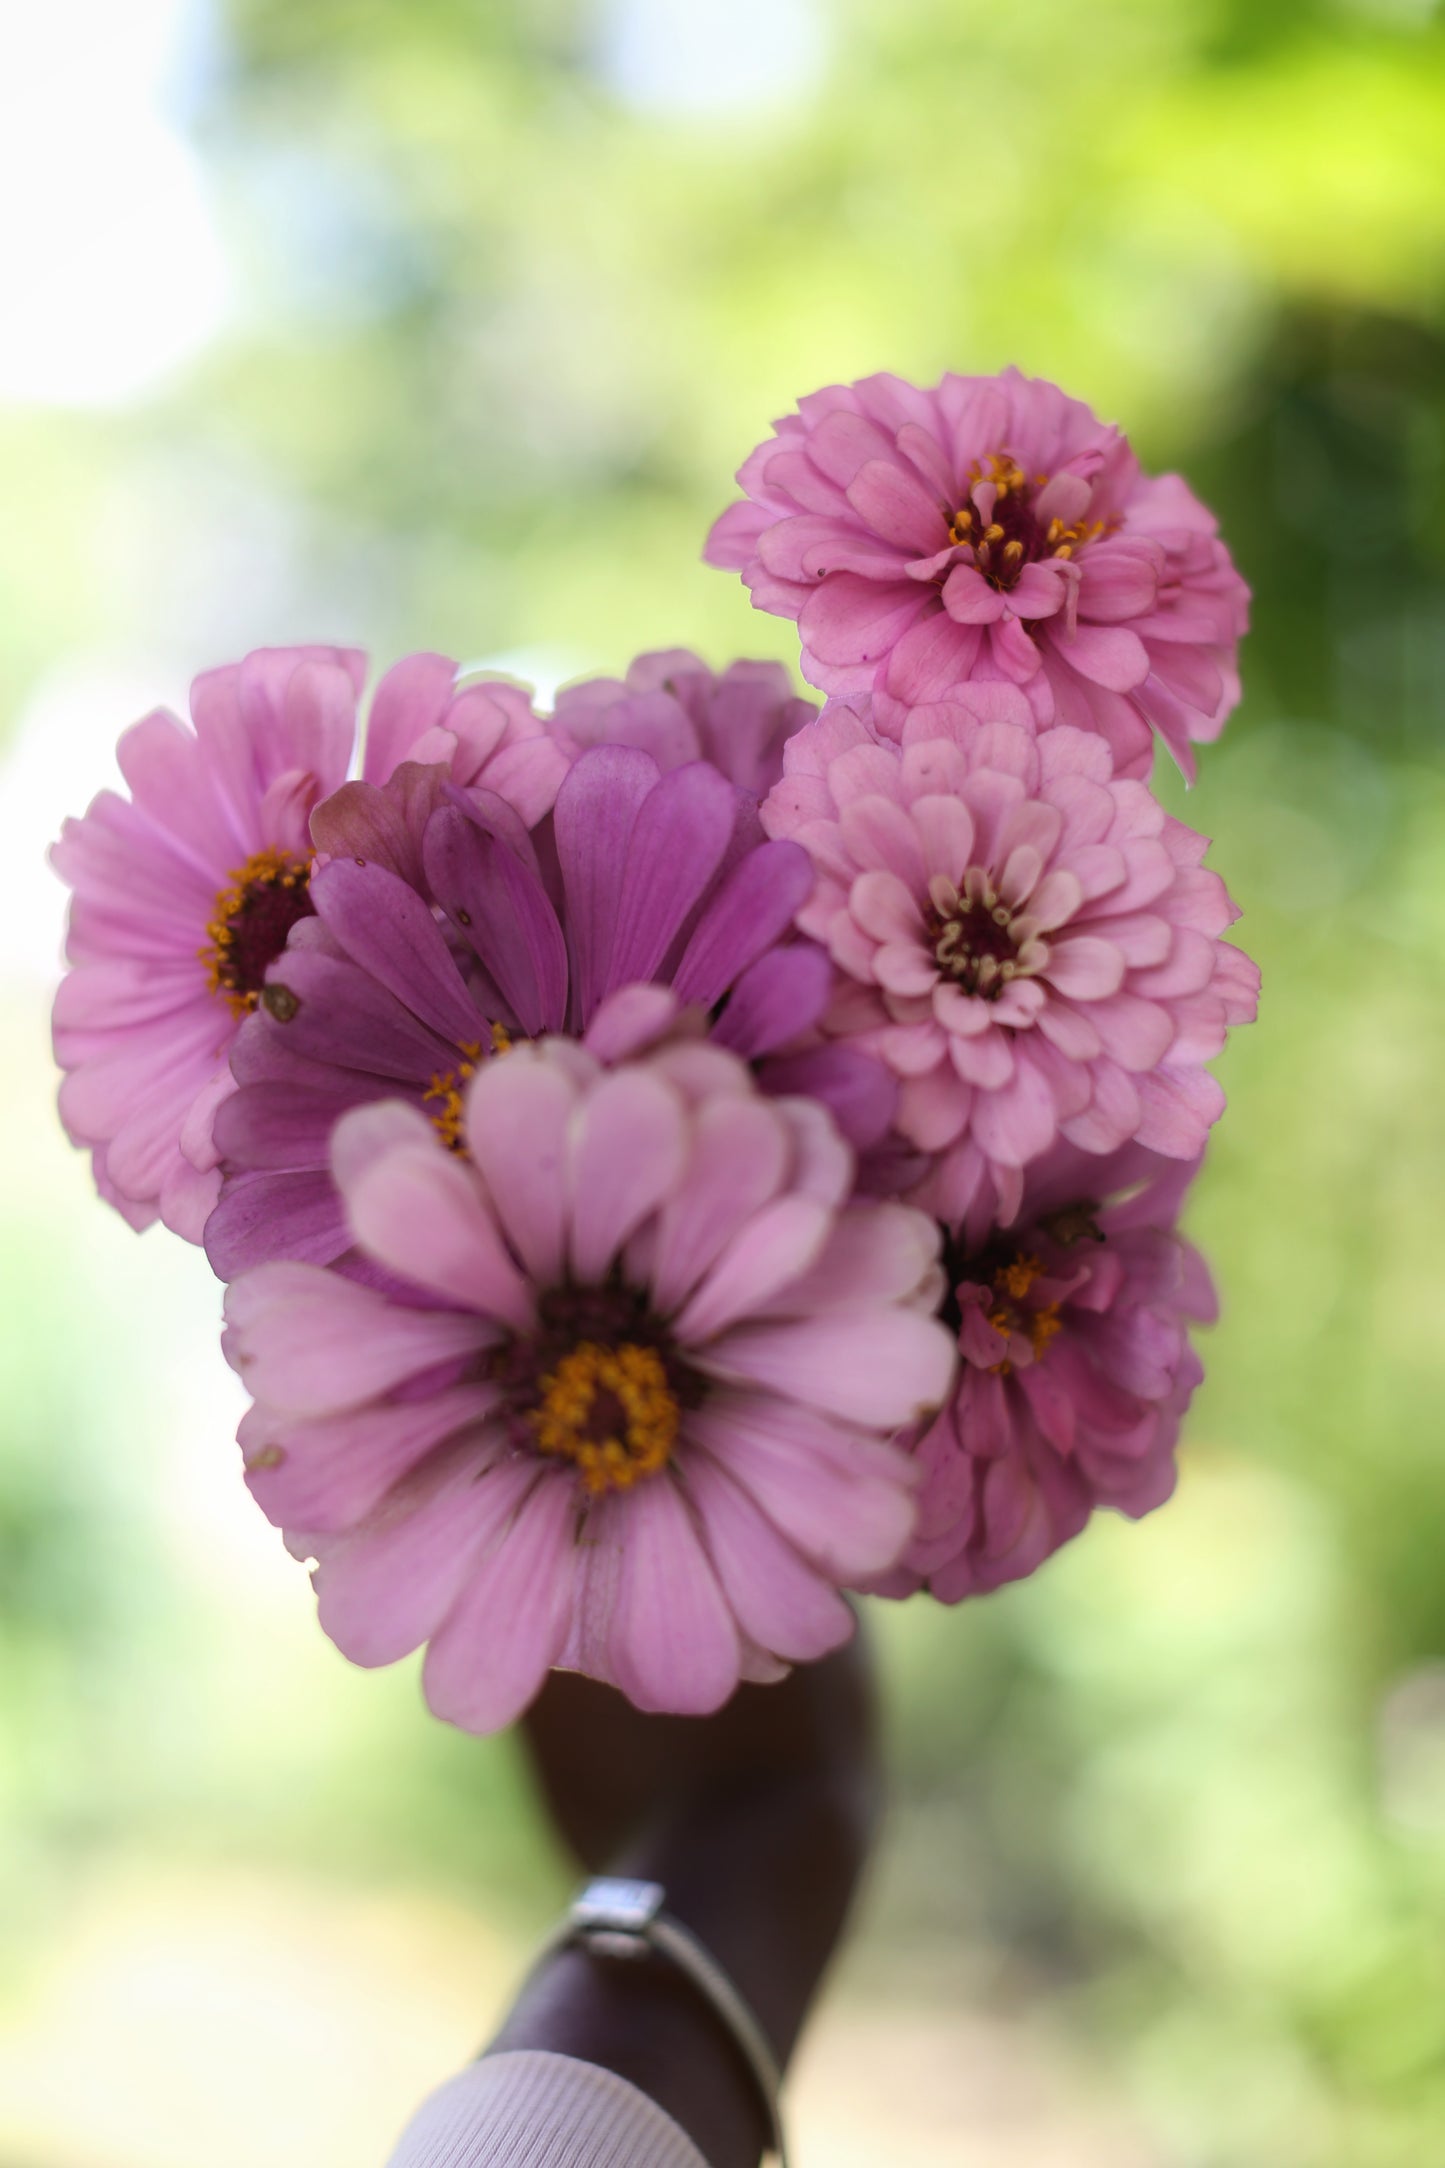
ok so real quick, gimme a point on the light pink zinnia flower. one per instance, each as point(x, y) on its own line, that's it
point(678, 710)
point(183, 894)
point(428, 729)
point(1034, 944)
point(640, 1430)
point(990, 528)
point(1076, 1370)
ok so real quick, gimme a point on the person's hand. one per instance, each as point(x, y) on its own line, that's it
point(756, 1822)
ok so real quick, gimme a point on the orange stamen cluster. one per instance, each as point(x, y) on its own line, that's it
point(1001, 547)
point(253, 915)
point(1011, 1284)
point(1062, 541)
point(446, 1089)
point(610, 1411)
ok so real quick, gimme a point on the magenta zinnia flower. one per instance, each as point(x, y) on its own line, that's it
point(990, 528)
point(678, 710)
point(643, 1434)
point(666, 894)
point(1033, 944)
point(1076, 1370)
point(183, 895)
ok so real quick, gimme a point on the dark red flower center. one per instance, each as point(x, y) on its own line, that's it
point(253, 916)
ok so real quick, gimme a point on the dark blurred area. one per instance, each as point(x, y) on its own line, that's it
point(445, 323)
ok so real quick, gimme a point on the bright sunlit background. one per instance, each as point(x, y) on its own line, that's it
point(445, 323)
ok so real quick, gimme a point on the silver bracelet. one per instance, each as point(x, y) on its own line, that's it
point(617, 1918)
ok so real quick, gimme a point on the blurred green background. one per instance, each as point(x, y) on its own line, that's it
point(445, 322)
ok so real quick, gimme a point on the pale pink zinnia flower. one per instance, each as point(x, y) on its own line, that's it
point(640, 1429)
point(429, 728)
point(990, 528)
point(1033, 945)
point(183, 895)
point(1076, 1370)
point(678, 710)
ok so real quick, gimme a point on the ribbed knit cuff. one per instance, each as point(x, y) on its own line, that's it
point(531, 2109)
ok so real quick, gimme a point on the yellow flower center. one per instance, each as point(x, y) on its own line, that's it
point(1011, 536)
point(1011, 1284)
point(448, 1085)
point(609, 1410)
point(253, 915)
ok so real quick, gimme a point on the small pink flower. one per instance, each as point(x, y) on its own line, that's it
point(183, 894)
point(639, 1428)
point(991, 528)
point(1076, 1370)
point(484, 730)
point(678, 710)
point(1033, 945)
point(428, 728)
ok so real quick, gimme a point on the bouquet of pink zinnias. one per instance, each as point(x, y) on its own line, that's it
point(684, 1157)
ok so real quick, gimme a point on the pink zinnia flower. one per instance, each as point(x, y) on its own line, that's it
point(1076, 1370)
point(428, 728)
point(665, 893)
point(678, 710)
point(990, 528)
point(183, 894)
point(639, 1430)
point(1033, 944)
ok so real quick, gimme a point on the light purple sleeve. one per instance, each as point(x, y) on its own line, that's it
point(537, 2110)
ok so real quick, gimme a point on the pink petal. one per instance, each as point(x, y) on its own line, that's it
point(511, 1620)
point(945, 831)
point(781, 1603)
point(931, 657)
point(1084, 967)
point(1110, 656)
point(1011, 651)
point(933, 1109)
point(673, 1643)
point(1113, 1114)
point(419, 1211)
point(969, 599)
point(897, 506)
point(840, 1498)
point(1039, 591)
point(984, 1060)
point(737, 1159)
point(773, 1249)
point(388, 1585)
point(883, 1368)
point(327, 1475)
point(847, 619)
point(875, 1253)
point(626, 1151)
point(1136, 1034)
point(904, 969)
point(1016, 1123)
point(309, 1342)
point(409, 700)
point(517, 1114)
point(886, 907)
point(1118, 580)
point(1178, 1107)
point(364, 1134)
